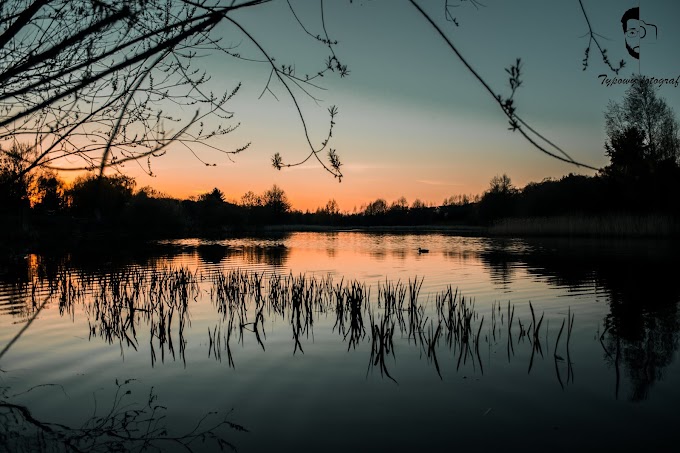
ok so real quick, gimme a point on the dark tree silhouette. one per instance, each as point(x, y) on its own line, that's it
point(645, 121)
point(15, 183)
point(275, 203)
point(50, 194)
point(104, 197)
point(643, 143)
point(501, 185)
point(627, 150)
point(499, 201)
point(150, 214)
point(216, 196)
point(211, 213)
point(376, 208)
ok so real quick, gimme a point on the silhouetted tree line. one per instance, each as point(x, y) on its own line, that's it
point(643, 176)
point(381, 213)
point(92, 204)
point(46, 205)
point(657, 192)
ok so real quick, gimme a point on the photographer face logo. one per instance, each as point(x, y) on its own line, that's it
point(636, 30)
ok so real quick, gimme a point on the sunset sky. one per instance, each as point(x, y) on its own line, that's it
point(412, 120)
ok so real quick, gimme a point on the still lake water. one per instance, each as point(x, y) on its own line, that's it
point(346, 357)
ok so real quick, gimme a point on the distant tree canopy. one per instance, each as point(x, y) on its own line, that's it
point(331, 208)
point(214, 196)
point(501, 184)
point(211, 211)
point(251, 200)
point(50, 193)
point(377, 207)
point(104, 197)
point(15, 182)
point(275, 202)
point(499, 200)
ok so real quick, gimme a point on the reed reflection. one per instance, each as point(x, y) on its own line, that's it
point(452, 331)
point(116, 303)
point(454, 327)
point(641, 332)
point(272, 255)
point(213, 253)
point(132, 305)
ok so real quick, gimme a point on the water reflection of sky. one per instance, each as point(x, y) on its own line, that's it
point(623, 347)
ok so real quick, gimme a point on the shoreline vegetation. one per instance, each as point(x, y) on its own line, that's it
point(108, 211)
point(609, 226)
point(624, 226)
point(77, 233)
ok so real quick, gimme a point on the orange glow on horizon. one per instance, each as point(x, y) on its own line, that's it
point(312, 189)
point(303, 200)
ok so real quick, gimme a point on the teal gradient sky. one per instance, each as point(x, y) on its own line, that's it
point(412, 120)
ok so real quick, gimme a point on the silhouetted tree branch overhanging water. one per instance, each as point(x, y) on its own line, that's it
point(118, 93)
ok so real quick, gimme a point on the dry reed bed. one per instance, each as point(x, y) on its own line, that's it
point(609, 226)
